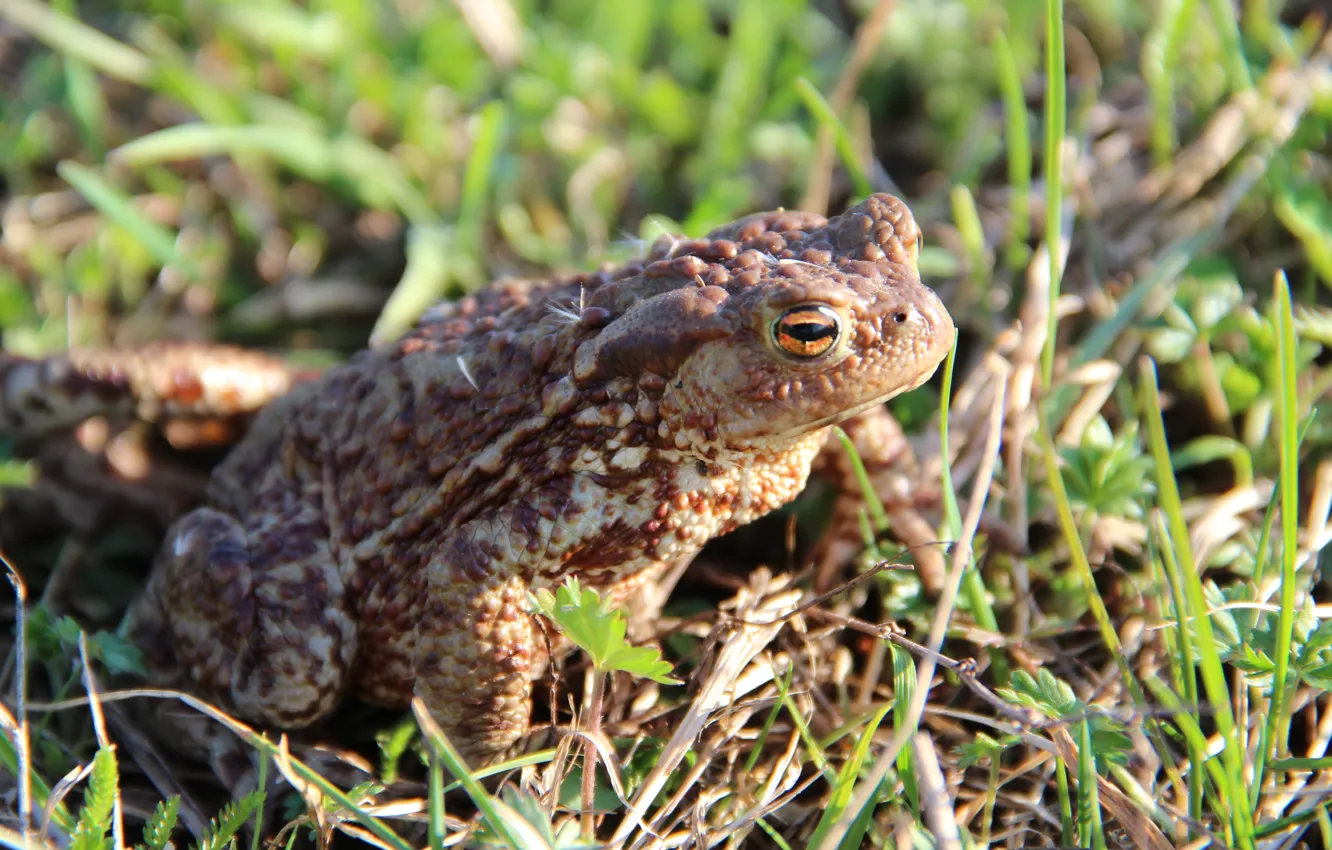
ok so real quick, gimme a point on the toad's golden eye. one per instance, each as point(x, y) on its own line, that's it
point(807, 331)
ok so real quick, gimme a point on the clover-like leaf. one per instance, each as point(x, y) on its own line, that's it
point(599, 630)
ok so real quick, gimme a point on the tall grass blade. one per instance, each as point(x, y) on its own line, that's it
point(1017, 137)
point(1234, 794)
point(1089, 797)
point(117, 206)
point(70, 37)
point(1278, 722)
point(823, 113)
point(1056, 119)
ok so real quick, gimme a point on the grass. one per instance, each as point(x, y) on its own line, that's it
point(1129, 222)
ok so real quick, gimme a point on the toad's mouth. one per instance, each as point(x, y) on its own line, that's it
point(856, 410)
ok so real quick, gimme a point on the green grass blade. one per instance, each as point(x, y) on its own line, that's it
point(1160, 70)
point(86, 100)
point(1017, 137)
point(375, 175)
point(1066, 822)
point(41, 792)
point(952, 516)
point(73, 38)
point(1277, 721)
point(1234, 794)
point(479, 173)
point(1227, 24)
point(968, 223)
point(1216, 447)
point(904, 685)
point(873, 504)
point(1186, 722)
point(823, 113)
point(1185, 671)
point(1056, 119)
point(845, 785)
point(495, 813)
point(973, 586)
point(435, 826)
point(1078, 553)
point(119, 208)
point(783, 683)
point(1089, 795)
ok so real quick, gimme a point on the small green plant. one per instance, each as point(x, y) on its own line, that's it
point(1055, 699)
point(222, 829)
point(98, 802)
point(599, 630)
point(157, 832)
point(55, 639)
point(1107, 474)
point(540, 834)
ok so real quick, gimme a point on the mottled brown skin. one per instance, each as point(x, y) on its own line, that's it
point(378, 530)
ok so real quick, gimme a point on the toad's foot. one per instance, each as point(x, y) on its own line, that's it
point(894, 474)
point(155, 383)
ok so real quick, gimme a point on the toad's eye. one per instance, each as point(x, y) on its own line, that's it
point(807, 331)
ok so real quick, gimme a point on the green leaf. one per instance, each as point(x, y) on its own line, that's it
point(117, 654)
point(95, 817)
point(233, 816)
point(393, 743)
point(982, 749)
point(157, 832)
point(582, 616)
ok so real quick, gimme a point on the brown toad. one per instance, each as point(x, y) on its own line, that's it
point(377, 531)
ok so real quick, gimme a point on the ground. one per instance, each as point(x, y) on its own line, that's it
point(1133, 430)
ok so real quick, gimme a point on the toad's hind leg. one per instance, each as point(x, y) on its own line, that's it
point(254, 620)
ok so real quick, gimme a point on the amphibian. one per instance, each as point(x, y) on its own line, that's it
point(376, 532)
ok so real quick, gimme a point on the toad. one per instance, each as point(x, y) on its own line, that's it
point(377, 531)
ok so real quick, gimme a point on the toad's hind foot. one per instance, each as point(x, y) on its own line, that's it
point(255, 622)
point(159, 381)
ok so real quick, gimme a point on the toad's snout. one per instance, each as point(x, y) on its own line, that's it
point(925, 332)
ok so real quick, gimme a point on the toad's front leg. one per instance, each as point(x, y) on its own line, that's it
point(158, 382)
point(478, 647)
point(477, 652)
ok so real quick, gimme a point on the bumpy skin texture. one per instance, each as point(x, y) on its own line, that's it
point(377, 531)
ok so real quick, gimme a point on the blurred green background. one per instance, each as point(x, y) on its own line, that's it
point(270, 171)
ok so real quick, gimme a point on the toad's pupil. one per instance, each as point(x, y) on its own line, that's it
point(810, 331)
point(807, 331)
